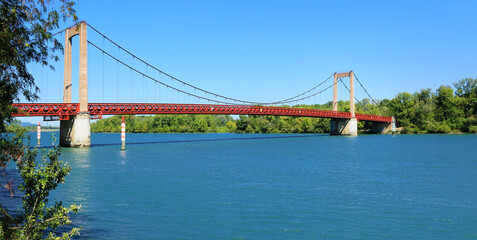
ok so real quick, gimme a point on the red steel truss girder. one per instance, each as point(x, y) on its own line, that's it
point(45, 109)
point(48, 109)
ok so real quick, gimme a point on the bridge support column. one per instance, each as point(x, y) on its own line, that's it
point(342, 126)
point(76, 132)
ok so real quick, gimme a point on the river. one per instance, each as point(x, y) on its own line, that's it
point(257, 186)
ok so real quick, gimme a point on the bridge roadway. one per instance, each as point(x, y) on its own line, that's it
point(97, 110)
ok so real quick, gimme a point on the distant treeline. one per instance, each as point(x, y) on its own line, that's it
point(447, 110)
point(31, 128)
point(212, 124)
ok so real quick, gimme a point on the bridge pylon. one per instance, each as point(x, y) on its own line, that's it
point(344, 126)
point(76, 132)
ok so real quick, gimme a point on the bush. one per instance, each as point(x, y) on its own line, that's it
point(410, 130)
point(439, 127)
point(468, 124)
point(473, 129)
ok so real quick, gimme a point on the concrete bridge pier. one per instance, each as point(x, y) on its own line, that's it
point(340, 126)
point(76, 132)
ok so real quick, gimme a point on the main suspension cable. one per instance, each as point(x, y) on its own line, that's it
point(157, 81)
point(307, 97)
point(210, 99)
point(168, 75)
point(301, 94)
point(200, 89)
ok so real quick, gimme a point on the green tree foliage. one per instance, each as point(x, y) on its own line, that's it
point(165, 124)
point(467, 90)
point(212, 124)
point(447, 106)
point(444, 111)
point(231, 126)
point(281, 124)
point(200, 124)
point(26, 37)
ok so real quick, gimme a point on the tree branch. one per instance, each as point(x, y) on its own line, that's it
point(6, 214)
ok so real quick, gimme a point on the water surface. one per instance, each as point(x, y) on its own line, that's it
point(305, 187)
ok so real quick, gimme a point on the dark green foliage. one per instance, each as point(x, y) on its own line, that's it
point(281, 124)
point(447, 110)
point(166, 124)
point(466, 89)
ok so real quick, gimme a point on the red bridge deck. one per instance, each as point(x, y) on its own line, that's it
point(64, 110)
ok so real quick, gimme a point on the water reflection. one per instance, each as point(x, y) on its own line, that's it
point(79, 156)
point(78, 183)
point(123, 157)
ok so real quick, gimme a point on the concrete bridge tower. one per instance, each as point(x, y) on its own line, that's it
point(342, 126)
point(76, 132)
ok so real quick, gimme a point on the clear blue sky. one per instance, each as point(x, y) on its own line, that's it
point(269, 50)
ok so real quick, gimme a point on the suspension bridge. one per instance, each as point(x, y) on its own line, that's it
point(75, 117)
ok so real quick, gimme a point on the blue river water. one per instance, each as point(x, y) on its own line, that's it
point(254, 186)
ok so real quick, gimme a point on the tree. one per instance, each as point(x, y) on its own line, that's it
point(200, 124)
point(401, 107)
point(467, 89)
point(424, 109)
point(231, 126)
point(242, 123)
point(25, 36)
point(447, 107)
